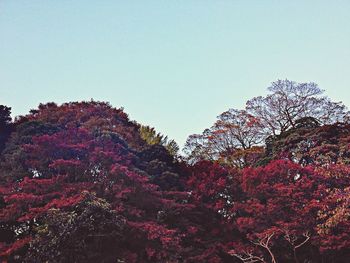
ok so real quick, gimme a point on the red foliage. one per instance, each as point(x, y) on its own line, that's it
point(286, 211)
point(88, 153)
point(212, 184)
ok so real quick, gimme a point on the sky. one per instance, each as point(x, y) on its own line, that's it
point(174, 65)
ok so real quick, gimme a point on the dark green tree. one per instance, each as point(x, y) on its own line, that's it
point(5, 125)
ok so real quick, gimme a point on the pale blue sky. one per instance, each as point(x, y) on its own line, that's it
point(171, 64)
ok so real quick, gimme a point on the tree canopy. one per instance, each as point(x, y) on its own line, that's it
point(81, 182)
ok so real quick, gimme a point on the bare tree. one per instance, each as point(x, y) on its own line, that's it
point(265, 243)
point(290, 101)
point(247, 257)
point(236, 136)
point(295, 242)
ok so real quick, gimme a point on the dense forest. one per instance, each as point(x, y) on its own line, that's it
point(81, 182)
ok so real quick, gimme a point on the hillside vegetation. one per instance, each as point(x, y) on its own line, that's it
point(81, 182)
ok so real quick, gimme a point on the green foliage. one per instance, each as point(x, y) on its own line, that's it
point(172, 147)
point(6, 126)
point(14, 157)
point(91, 229)
point(151, 137)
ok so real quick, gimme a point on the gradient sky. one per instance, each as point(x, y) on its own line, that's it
point(174, 65)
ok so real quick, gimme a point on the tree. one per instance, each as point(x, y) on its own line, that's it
point(61, 166)
point(309, 143)
point(334, 225)
point(84, 174)
point(94, 116)
point(289, 101)
point(277, 213)
point(196, 148)
point(161, 167)
point(6, 126)
point(213, 185)
point(333, 219)
point(91, 232)
point(152, 137)
point(233, 140)
point(81, 183)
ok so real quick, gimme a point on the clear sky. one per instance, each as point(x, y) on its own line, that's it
point(174, 65)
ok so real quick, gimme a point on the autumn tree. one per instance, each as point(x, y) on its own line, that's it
point(63, 151)
point(334, 225)
point(196, 148)
point(310, 143)
point(269, 212)
point(82, 182)
point(213, 185)
point(234, 139)
point(79, 179)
